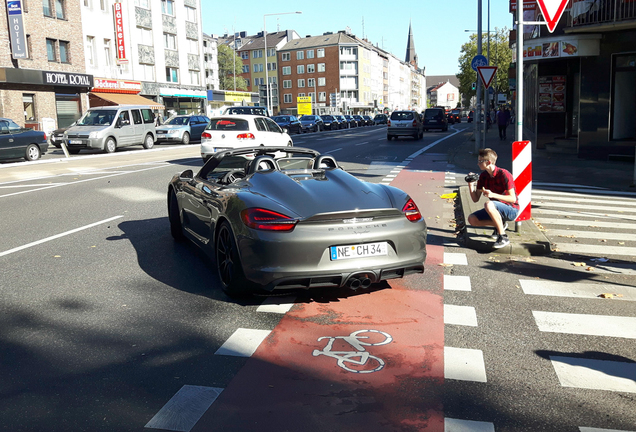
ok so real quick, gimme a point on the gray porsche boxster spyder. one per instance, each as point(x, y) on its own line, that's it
point(298, 221)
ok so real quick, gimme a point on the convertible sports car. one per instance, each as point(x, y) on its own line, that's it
point(299, 221)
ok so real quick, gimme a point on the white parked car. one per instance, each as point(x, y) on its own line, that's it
point(236, 131)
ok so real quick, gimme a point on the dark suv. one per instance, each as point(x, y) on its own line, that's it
point(404, 123)
point(435, 118)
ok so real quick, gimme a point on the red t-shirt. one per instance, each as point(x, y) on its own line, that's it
point(500, 183)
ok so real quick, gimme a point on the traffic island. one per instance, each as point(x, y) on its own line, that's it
point(527, 240)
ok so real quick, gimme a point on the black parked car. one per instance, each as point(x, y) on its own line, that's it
point(380, 119)
point(289, 122)
point(312, 123)
point(435, 118)
point(344, 123)
point(361, 121)
point(20, 143)
point(368, 120)
point(331, 122)
point(352, 121)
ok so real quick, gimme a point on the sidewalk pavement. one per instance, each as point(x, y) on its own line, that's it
point(565, 169)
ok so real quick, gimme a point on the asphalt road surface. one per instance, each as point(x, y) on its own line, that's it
point(106, 324)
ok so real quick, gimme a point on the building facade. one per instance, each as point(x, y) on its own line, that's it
point(43, 79)
point(211, 62)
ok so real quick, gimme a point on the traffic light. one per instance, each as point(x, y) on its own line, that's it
point(474, 85)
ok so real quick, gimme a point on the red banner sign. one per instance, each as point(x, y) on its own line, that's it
point(527, 5)
point(119, 32)
point(116, 86)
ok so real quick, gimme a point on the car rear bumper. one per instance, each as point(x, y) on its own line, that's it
point(402, 131)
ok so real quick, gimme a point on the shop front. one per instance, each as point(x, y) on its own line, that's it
point(107, 92)
point(183, 102)
point(218, 100)
point(43, 100)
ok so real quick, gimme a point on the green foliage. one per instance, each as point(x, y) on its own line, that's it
point(228, 72)
point(500, 56)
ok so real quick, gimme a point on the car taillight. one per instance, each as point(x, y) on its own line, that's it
point(245, 136)
point(414, 123)
point(411, 211)
point(262, 219)
point(388, 122)
point(206, 135)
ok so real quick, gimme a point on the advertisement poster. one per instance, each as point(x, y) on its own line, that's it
point(552, 94)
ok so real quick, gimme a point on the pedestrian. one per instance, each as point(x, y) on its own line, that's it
point(498, 186)
point(493, 114)
point(503, 119)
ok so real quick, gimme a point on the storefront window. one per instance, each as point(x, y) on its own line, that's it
point(624, 98)
point(29, 107)
point(68, 108)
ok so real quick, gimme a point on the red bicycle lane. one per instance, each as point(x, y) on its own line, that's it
point(319, 371)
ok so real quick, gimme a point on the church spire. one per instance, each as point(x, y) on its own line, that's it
point(411, 56)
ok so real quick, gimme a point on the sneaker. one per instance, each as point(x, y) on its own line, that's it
point(495, 234)
point(502, 241)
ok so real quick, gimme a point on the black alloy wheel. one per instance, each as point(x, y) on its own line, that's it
point(228, 262)
point(176, 229)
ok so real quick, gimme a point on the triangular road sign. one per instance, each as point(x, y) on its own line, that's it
point(552, 11)
point(486, 73)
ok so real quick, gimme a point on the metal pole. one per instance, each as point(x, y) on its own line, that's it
point(519, 101)
point(486, 91)
point(477, 131)
point(267, 102)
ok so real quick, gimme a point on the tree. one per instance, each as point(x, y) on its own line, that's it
point(228, 72)
point(500, 56)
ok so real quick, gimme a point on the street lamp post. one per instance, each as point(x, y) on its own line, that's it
point(267, 95)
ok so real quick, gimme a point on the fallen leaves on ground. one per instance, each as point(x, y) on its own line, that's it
point(578, 264)
point(445, 265)
point(610, 295)
point(590, 269)
point(567, 236)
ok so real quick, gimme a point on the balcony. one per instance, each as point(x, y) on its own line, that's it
point(602, 15)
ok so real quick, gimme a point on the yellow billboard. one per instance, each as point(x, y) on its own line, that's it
point(304, 105)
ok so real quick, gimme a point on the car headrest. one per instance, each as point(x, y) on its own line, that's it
point(325, 162)
point(261, 163)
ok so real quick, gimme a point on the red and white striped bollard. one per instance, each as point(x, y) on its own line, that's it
point(522, 176)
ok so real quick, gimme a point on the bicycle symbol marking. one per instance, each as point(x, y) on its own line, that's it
point(360, 356)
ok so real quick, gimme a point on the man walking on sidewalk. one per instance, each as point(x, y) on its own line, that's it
point(498, 186)
point(503, 118)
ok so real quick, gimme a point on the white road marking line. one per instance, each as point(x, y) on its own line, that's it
point(537, 196)
point(464, 364)
point(460, 315)
point(35, 243)
point(243, 342)
point(578, 248)
point(362, 143)
point(542, 203)
point(586, 223)
point(583, 214)
point(455, 258)
point(595, 374)
point(575, 290)
point(593, 235)
point(333, 151)
point(185, 408)
point(431, 145)
point(31, 185)
point(456, 283)
point(325, 139)
point(568, 185)
point(280, 305)
point(602, 194)
point(456, 425)
point(586, 324)
point(592, 429)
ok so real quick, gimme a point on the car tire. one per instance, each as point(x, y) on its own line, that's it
point(32, 152)
point(389, 137)
point(228, 262)
point(110, 146)
point(149, 142)
point(73, 151)
point(176, 229)
point(186, 138)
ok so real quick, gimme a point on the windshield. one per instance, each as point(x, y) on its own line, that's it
point(404, 115)
point(432, 114)
point(281, 119)
point(179, 121)
point(308, 117)
point(96, 118)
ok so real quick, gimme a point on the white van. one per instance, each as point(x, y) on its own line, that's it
point(109, 127)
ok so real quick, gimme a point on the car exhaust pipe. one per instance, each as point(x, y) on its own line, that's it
point(361, 280)
point(354, 283)
point(365, 283)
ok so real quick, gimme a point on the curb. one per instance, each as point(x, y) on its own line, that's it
point(526, 240)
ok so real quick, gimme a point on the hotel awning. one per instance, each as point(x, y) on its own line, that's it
point(105, 99)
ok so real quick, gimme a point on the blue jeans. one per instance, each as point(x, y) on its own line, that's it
point(508, 213)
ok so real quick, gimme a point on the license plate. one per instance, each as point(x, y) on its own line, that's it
point(433, 121)
point(401, 125)
point(358, 251)
point(74, 141)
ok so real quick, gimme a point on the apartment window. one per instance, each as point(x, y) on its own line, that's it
point(287, 98)
point(300, 55)
point(286, 83)
point(193, 46)
point(285, 56)
point(194, 77)
point(300, 69)
point(246, 69)
point(310, 54)
point(320, 52)
point(102, 4)
point(311, 68)
point(46, 5)
point(301, 95)
point(321, 82)
point(312, 95)
point(147, 72)
point(322, 96)
point(311, 82)
point(90, 50)
point(286, 70)
point(272, 80)
point(29, 106)
point(169, 41)
point(301, 83)
point(50, 50)
point(258, 67)
point(59, 9)
point(271, 52)
point(271, 66)
point(245, 55)
point(108, 61)
point(172, 74)
point(64, 52)
point(167, 7)
point(191, 14)
point(257, 54)
point(321, 67)
point(259, 81)
point(143, 3)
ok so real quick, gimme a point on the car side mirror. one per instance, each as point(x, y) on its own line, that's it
point(187, 175)
point(284, 130)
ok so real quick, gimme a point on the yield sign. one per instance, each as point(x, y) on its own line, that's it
point(486, 73)
point(552, 11)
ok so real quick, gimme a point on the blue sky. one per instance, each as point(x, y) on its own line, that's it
point(438, 25)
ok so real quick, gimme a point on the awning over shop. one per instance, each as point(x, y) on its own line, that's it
point(105, 99)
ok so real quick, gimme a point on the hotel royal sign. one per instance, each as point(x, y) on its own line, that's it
point(119, 32)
